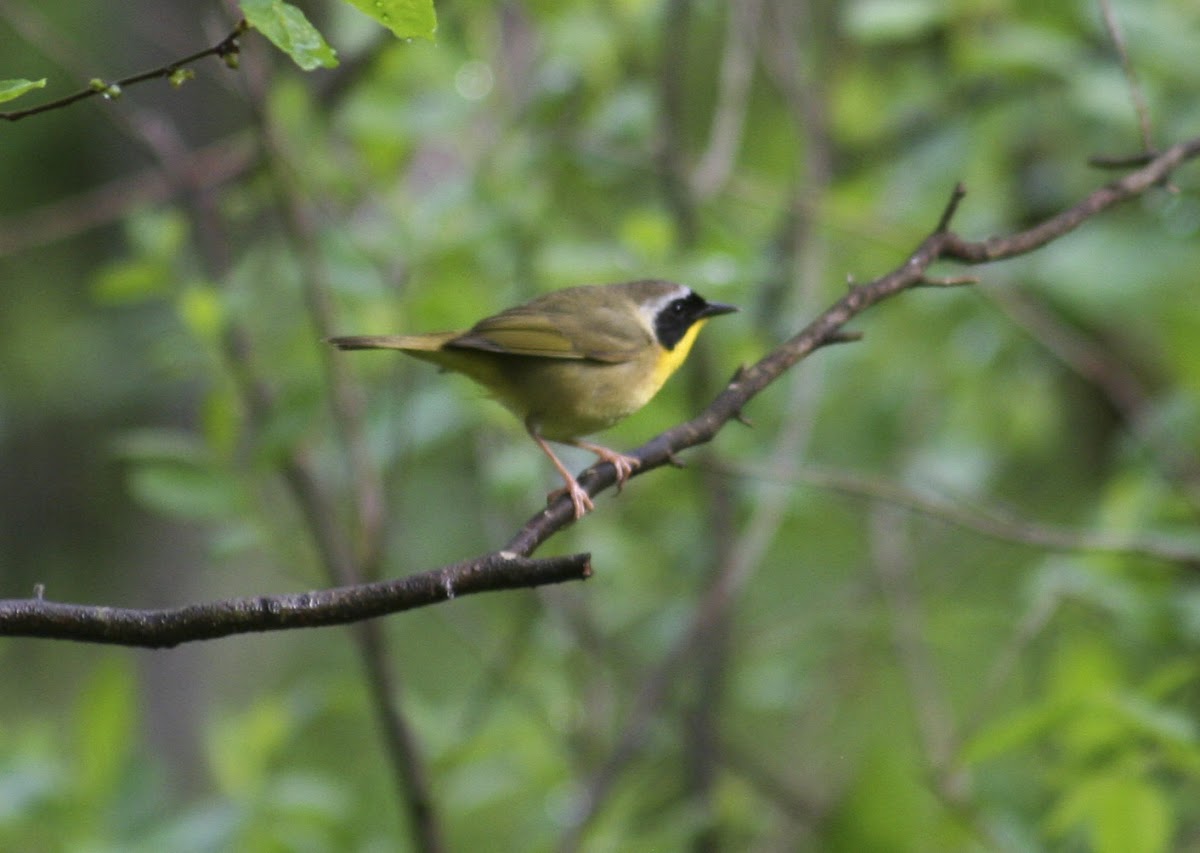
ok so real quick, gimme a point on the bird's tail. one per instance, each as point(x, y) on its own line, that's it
point(408, 343)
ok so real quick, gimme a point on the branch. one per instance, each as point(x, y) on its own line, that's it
point(993, 521)
point(38, 617)
point(891, 558)
point(504, 569)
point(1093, 359)
point(226, 49)
point(347, 561)
point(729, 114)
point(941, 244)
point(1135, 89)
point(212, 166)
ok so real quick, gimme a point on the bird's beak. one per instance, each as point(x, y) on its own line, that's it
point(712, 309)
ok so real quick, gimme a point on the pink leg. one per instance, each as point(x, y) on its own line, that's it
point(580, 499)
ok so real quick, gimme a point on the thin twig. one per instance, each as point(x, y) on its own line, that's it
point(1041, 610)
point(891, 558)
point(346, 401)
point(936, 729)
point(1096, 362)
point(211, 167)
point(802, 809)
point(991, 521)
point(405, 756)
point(1129, 161)
point(228, 46)
point(951, 208)
point(729, 116)
point(673, 89)
point(1135, 89)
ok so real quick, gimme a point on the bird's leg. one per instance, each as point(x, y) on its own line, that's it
point(580, 499)
point(621, 461)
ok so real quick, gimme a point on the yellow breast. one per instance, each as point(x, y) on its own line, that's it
point(670, 360)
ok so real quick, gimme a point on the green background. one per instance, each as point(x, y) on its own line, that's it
point(878, 678)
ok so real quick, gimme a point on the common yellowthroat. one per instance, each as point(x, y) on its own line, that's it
point(572, 362)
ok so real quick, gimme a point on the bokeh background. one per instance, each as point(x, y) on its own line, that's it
point(874, 671)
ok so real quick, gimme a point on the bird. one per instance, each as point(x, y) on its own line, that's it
point(571, 362)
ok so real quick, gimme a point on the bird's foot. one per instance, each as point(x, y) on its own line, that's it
point(622, 462)
point(580, 499)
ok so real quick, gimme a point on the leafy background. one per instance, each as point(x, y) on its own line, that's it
point(881, 679)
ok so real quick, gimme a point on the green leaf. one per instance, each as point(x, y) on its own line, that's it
point(290, 31)
point(407, 19)
point(10, 89)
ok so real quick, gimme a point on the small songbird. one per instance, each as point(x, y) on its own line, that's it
point(572, 362)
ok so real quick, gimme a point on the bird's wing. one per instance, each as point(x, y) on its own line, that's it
point(537, 330)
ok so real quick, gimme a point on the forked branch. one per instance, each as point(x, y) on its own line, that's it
point(510, 567)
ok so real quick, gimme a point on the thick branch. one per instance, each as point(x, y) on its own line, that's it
point(37, 617)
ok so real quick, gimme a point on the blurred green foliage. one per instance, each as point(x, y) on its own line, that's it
point(880, 682)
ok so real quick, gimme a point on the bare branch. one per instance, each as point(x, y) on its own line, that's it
point(936, 728)
point(996, 522)
point(211, 166)
point(1154, 173)
point(941, 244)
point(729, 114)
point(956, 197)
point(37, 617)
point(1135, 90)
point(161, 628)
point(1129, 161)
point(1094, 361)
